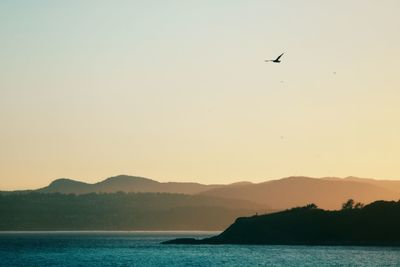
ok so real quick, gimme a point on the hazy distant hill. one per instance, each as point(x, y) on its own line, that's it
point(392, 185)
point(298, 191)
point(327, 193)
point(124, 183)
point(120, 211)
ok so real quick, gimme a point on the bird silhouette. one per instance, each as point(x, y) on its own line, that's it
point(275, 60)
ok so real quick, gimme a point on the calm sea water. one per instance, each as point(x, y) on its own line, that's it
point(144, 249)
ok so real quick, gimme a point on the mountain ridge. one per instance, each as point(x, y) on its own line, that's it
point(278, 194)
point(300, 190)
point(124, 183)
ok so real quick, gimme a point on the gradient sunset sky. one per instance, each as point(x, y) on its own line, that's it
point(179, 90)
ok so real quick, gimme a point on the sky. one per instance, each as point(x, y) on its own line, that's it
point(179, 90)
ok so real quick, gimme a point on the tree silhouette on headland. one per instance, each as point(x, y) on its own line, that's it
point(350, 204)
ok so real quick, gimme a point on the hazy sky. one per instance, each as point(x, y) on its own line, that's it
point(178, 90)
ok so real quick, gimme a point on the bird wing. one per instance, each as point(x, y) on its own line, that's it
point(279, 56)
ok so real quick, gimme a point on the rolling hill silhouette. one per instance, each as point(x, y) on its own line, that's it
point(299, 191)
point(131, 202)
point(124, 183)
point(327, 193)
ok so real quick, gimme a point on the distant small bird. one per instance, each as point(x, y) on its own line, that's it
point(275, 60)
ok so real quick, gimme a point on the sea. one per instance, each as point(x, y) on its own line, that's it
point(145, 249)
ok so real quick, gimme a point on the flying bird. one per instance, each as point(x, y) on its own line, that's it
point(275, 60)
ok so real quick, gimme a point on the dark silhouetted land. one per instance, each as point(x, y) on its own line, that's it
point(375, 224)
